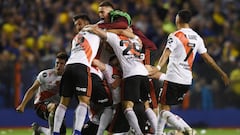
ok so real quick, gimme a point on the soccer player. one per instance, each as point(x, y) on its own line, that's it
point(135, 81)
point(117, 19)
point(76, 79)
point(181, 48)
point(46, 88)
point(112, 76)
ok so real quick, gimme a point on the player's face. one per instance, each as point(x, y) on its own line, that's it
point(80, 23)
point(59, 66)
point(103, 13)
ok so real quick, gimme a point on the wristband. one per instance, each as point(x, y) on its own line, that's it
point(158, 67)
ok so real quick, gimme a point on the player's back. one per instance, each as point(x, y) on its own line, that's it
point(128, 54)
point(184, 44)
point(84, 48)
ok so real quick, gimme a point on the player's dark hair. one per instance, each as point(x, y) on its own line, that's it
point(184, 16)
point(112, 58)
point(106, 4)
point(62, 55)
point(81, 16)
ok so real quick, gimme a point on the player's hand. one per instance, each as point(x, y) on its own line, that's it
point(153, 71)
point(155, 75)
point(90, 27)
point(148, 67)
point(20, 109)
point(225, 79)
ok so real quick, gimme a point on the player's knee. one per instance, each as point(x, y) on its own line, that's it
point(127, 104)
point(51, 107)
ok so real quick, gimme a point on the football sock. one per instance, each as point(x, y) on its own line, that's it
point(173, 120)
point(161, 123)
point(44, 130)
point(80, 114)
point(58, 117)
point(132, 120)
point(105, 119)
point(186, 126)
point(152, 118)
point(51, 122)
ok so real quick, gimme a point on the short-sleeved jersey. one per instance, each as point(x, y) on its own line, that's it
point(49, 86)
point(84, 48)
point(183, 44)
point(111, 74)
point(97, 71)
point(128, 54)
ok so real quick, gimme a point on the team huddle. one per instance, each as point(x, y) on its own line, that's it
point(112, 73)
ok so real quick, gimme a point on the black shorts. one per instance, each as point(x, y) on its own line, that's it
point(76, 80)
point(172, 93)
point(135, 88)
point(120, 124)
point(42, 112)
point(101, 93)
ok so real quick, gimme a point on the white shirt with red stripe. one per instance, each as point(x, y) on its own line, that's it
point(49, 86)
point(183, 44)
point(96, 71)
point(84, 48)
point(128, 56)
point(111, 73)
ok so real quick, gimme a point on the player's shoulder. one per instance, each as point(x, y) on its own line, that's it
point(46, 73)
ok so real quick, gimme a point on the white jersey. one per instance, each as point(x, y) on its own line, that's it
point(97, 71)
point(128, 55)
point(49, 86)
point(184, 44)
point(84, 48)
point(111, 73)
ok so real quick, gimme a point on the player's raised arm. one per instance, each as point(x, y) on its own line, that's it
point(94, 29)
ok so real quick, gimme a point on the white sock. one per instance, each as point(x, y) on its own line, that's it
point(105, 119)
point(51, 122)
point(161, 123)
point(186, 126)
point(80, 114)
point(173, 120)
point(44, 130)
point(58, 117)
point(132, 120)
point(152, 118)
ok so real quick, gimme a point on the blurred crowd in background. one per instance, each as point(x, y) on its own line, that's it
point(33, 31)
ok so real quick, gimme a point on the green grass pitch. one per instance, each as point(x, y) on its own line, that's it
point(217, 131)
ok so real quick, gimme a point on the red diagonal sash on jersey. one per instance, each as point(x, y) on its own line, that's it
point(85, 44)
point(181, 36)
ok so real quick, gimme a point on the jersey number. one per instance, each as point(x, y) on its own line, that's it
point(192, 45)
point(132, 47)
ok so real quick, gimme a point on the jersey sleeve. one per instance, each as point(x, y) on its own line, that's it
point(112, 38)
point(201, 49)
point(171, 42)
point(108, 74)
point(41, 77)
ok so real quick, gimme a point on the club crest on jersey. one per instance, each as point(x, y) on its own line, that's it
point(44, 74)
